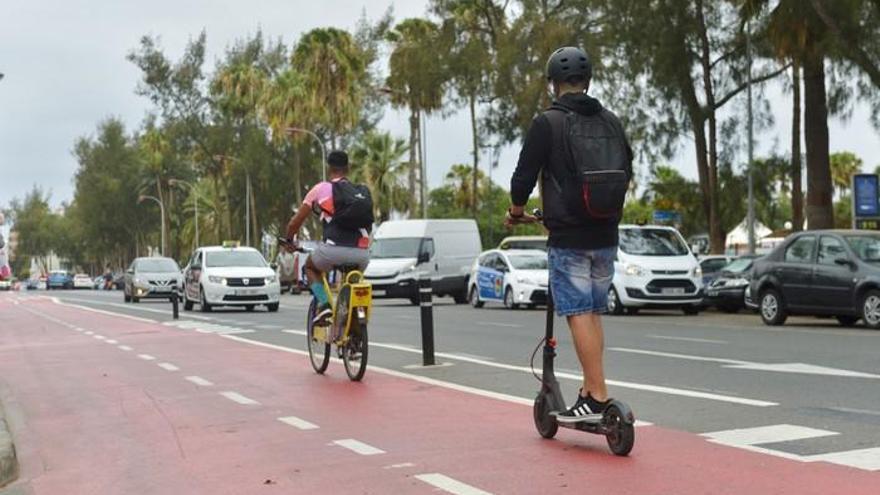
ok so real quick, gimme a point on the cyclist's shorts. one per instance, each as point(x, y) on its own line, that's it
point(326, 256)
point(580, 279)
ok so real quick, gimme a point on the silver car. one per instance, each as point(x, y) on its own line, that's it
point(151, 278)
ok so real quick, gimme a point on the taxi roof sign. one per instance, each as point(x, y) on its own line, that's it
point(231, 244)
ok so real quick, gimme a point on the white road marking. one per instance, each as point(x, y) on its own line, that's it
point(146, 357)
point(688, 339)
point(124, 347)
point(199, 381)
point(422, 366)
point(687, 357)
point(358, 447)
point(298, 423)
point(168, 366)
point(765, 434)
point(398, 466)
point(450, 485)
point(802, 368)
point(111, 341)
point(99, 337)
point(856, 411)
point(204, 327)
point(93, 310)
point(89, 332)
point(237, 397)
point(867, 459)
point(78, 329)
point(494, 324)
point(416, 378)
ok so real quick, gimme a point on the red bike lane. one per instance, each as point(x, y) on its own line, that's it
point(101, 419)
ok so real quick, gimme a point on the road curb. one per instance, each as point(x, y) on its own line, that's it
point(8, 459)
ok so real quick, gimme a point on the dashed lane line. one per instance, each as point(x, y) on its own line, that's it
point(358, 447)
point(199, 381)
point(240, 399)
point(168, 367)
point(89, 332)
point(688, 339)
point(99, 337)
point(125, 348)
point(146, 357)
point(450, 485)
point(112, 341)
point(298, 423)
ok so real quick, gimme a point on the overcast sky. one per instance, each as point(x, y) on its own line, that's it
point(65, 70)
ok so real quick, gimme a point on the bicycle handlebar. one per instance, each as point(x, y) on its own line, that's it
point(290, 244)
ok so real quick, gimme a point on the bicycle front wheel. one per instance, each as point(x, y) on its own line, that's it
point(355, 352)
point(319, 345)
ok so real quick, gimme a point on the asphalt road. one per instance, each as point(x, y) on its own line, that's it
point(811, 386)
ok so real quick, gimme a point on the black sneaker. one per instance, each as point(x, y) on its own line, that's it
point(322, 315)
point(584, 409)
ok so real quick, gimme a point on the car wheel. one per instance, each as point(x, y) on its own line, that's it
point(871, 309)
point(203, 302)
point(690, 310)
point(614, 305)
point(632, 311)
point(508, 299)
point(272, 307)
point(474, 297)
point(772, 308)
point(135, 300)
point(460, 297)
point(126, 297)
point(846, 320)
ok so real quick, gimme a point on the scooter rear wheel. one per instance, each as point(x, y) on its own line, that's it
point(544, 422)
point(620, 433)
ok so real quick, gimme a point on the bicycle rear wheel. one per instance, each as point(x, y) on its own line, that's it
point(356, 351)
point(319, 348)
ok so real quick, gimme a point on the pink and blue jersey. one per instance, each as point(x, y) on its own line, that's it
point(320, 199)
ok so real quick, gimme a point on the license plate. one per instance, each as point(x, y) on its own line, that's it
point(162, 289)
point(378, 292)
point(673, 290)
point(712, 293)
point(246, 292)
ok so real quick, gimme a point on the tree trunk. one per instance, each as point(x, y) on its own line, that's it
point(413, 156)
point(716, 233)
point(797, 194)
point(820, 209)
point(476, 144)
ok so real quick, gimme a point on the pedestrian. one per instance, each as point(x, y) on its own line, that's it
point(582, 155)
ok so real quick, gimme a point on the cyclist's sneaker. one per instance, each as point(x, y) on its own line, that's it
point(322, 316)
point(584, 409)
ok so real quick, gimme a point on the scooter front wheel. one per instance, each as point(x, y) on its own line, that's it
point(544, 422)
point(619, 431)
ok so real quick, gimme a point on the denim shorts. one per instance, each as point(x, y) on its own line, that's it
point(580, 279)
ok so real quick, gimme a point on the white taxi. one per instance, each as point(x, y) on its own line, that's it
point(510, 276)
point(229, 276)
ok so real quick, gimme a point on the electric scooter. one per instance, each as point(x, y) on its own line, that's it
point(617, 423)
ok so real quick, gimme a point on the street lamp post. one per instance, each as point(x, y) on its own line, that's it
point(300, 130)
point(143, 197)
point(247, 198)
point(195, 202)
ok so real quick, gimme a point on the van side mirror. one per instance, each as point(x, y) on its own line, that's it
point(424, 257)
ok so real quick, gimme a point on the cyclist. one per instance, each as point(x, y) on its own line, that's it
point(585, 161)
point(345, 210)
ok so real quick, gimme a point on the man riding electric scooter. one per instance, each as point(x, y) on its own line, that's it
point(582, 155)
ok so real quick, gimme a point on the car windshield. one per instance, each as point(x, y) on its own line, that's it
point(404, 247)
point(866, 247)
point(221, 259)
point(739, 265)
point(528, 262)
point(652, 242)
point(157, 266)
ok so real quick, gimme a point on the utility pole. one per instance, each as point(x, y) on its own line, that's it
point(751, 217)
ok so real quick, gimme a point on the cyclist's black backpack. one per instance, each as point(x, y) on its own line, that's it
point(353, 205)
point(598, 162)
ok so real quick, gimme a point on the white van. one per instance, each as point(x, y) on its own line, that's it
point(654, 268)
point(403, 250)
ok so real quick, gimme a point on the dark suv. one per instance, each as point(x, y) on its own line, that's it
point(821, 273)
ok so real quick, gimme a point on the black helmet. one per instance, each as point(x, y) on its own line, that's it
point(569, 61)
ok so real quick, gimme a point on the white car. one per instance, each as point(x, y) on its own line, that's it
point(510, 276)
point(229, 276)
point(654, 268)
point(82, 281)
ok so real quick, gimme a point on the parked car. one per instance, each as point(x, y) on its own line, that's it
point(403, 250)
point(59, 279)
point(727, 290)
point(820, 273)
point(98, 282)
point(229, 276)
point(512, 277)
point(654, 268)
point(524, 242)
point(151, 278)
point(118, 282)
point(33, 283)
point(291, 268)
point(7, 284)
point(82, 281)
point(712, 265)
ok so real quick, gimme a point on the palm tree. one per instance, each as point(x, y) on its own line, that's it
point(416, 80)
point(377, 161)
point(844, 165)
point(282, 105)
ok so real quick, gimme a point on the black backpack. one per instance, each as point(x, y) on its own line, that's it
point(598, 160)
point(353, 205)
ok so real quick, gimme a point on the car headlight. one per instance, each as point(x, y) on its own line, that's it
point(635, 270)
point(737, 282)
point(216, 280)
point(139, 281)
point(526, 280)
point(271, 280)
point(697, 271)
